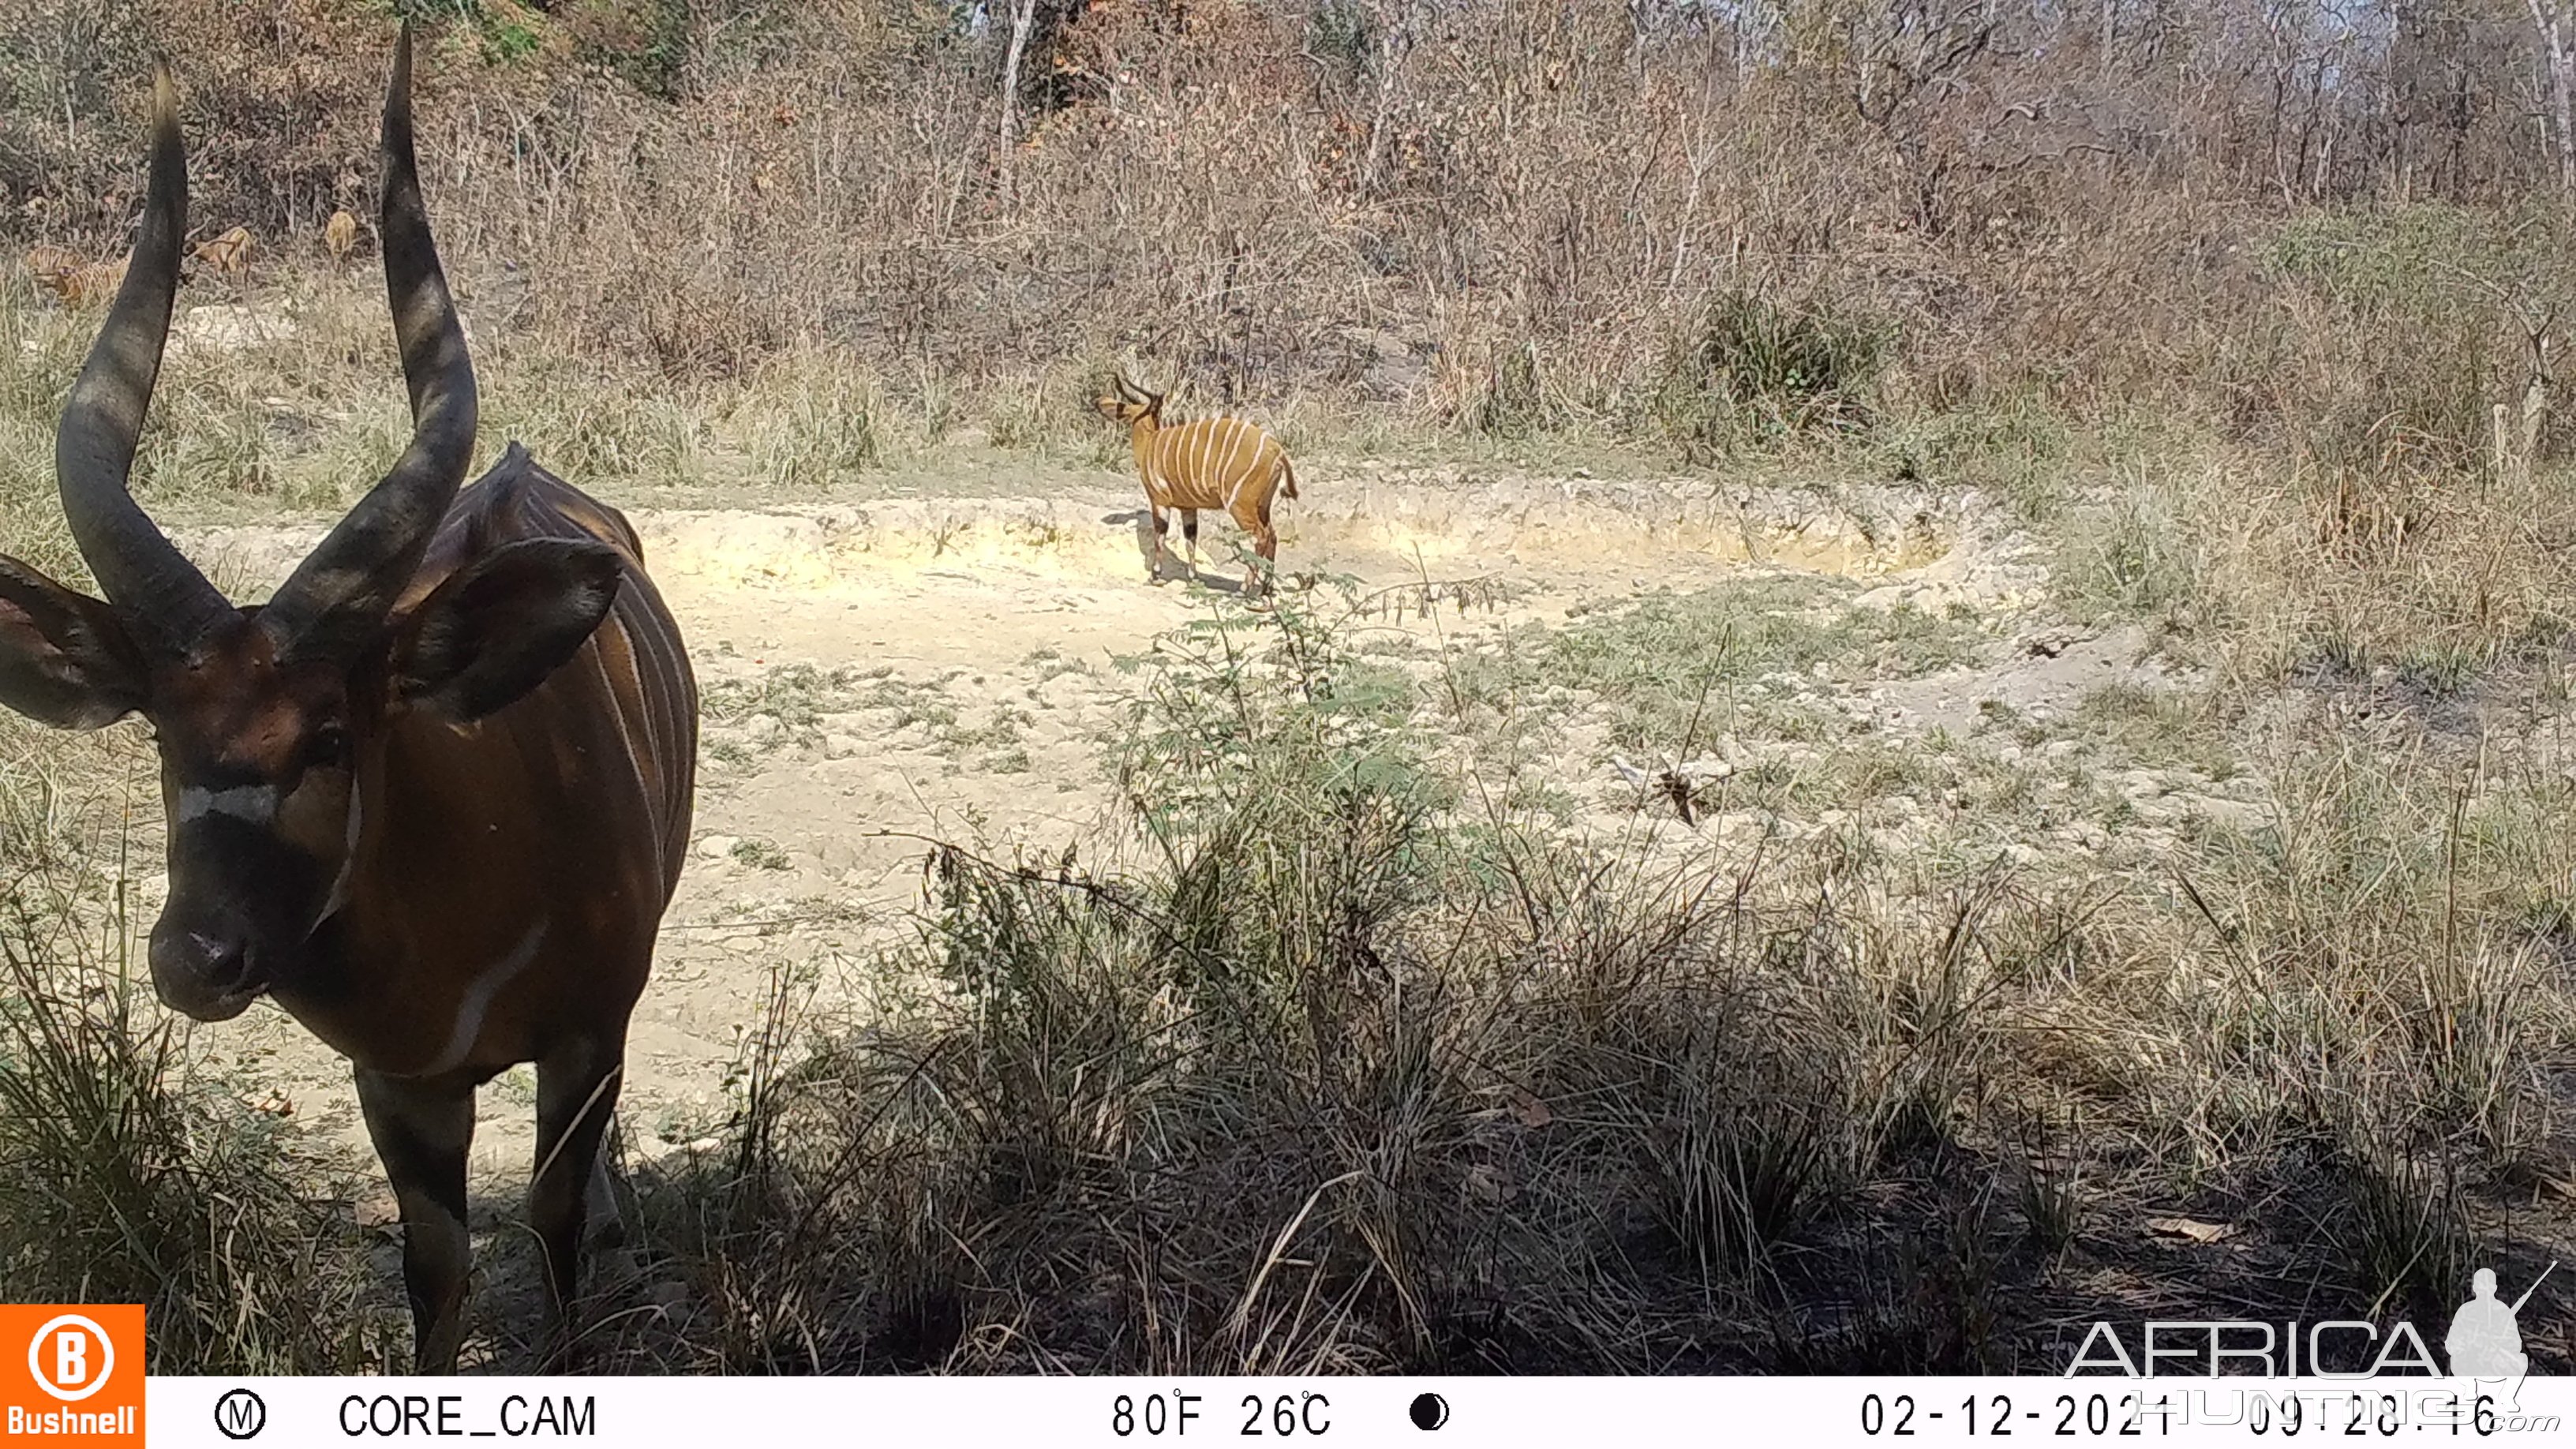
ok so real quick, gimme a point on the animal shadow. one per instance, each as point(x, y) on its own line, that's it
point(1174, 565)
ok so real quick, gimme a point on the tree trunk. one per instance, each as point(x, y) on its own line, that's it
point(1021, 19)
point(2562, 85)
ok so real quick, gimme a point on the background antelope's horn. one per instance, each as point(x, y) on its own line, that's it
point(165, 601)
point(339, 594)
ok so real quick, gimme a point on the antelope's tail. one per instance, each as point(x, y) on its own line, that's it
point(1288, 472)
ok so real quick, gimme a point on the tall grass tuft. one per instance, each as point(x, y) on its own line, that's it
point(1754, 370)
point(127, 1176)
point(812, 421)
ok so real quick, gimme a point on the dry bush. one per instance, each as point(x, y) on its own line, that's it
point(1468, 215)
point(1511, 220)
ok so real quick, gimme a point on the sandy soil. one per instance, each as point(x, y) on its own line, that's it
point(810, 833)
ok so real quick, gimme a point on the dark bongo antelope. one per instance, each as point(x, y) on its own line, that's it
point(431, 798)
point(1221, 462)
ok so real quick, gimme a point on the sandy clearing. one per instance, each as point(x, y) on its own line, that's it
point(807, 849)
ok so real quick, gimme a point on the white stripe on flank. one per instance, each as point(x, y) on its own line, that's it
point(254, 803)
point(670, 759)
point(617, 712)
point(478, 1000)
point(649, 657)
point(644, 654)
point(1235, 475)
point(339, 896)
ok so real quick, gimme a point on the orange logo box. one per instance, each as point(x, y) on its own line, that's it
point(71, 1373)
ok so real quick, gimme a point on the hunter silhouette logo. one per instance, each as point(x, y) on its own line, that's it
point(2485, 1341)
point(84, 1378)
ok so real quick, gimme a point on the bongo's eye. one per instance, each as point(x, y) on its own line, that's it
point(328, 749)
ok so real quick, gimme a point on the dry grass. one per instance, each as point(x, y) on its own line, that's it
point(1345, 1074)
point(1356, 1066)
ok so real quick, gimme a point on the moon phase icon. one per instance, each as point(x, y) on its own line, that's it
point(1430, 1411)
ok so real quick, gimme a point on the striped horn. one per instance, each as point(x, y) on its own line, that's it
point(340, 594)
point(164, 599)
